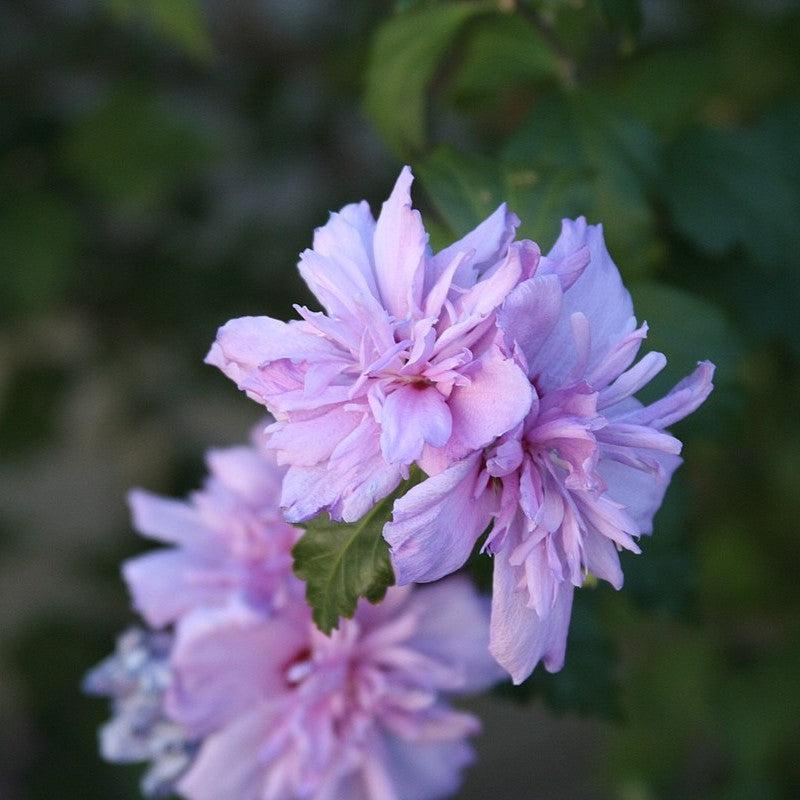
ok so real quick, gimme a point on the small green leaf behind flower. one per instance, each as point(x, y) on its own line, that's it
point(342, 562)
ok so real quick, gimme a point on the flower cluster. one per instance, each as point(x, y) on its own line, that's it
point(507, 376)
point(245, 698)
point(509, 379)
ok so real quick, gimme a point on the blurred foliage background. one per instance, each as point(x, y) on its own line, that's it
point(162, 162)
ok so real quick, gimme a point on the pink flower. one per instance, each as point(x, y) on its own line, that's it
point(578, 480)
point(229, 540)
point(406, 358)
point(286, 712)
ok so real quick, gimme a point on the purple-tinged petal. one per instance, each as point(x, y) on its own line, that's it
point(628, 383)
point(530, 313)
point(307, 442)
point(454, 629)
point(598, 293)
point(164, 519)
point(162, 587)
point(520, 638)
point(400, 247)
point(425, 771)
point(639, 491)
point(228, 764)
point(436, 524)
point(602, 558)
point(489, 292)
point(412, 416)
point(255, 476)
point(227, 659)
point(684, 398)
point(497, 398)
point(488, 243)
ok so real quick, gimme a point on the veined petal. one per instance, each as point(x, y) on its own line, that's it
point(530, 313)
point(436, 524)
point(400, 247)
point(519, 637)
point(410, 417)
point(497, 398)
point(488, 243)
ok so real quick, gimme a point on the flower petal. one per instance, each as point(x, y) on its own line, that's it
point(400, 247)
point(436, 524)
point(488, 242)
point(411, 417)
point(497, 398)
point(519, 638)
point(598, 294)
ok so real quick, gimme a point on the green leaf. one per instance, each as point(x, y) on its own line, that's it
point(341, 562)
point(182, 22)
point(134, 151)
point(729, 188)
point(502, 55)
point(406, 54)
point(585, 156)
point(623, 15)
point(574, 156)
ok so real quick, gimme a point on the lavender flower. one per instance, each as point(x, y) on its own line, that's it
point(229, 540)
point(136, 677)
point(407, 357)
point(575, 482)
point(286, 712)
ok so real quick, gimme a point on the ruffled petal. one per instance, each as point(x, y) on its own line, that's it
point(410, 418)
point(400, 247)
point(436, 524)
point(497, 398)
point(165, 519)
point(519, 637)
point(488, 244)
point(598, 294)
point(530, 313)
point(453, 628)
point(227, 659)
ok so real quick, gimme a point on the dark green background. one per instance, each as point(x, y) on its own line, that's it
point(162, 162)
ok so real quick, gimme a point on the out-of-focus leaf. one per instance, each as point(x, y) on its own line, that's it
point(575, 156)
point(587, 683)
point(464, 189)
point(585, 157)
point(182, 22)
point(504, 53)
point(623, 15)
point(27, 408)
point(406, 53)
point(38, 243)
point(729, 188)
point(686, 328)
point(133, 150)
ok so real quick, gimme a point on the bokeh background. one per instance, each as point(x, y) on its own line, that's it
point(162, 163)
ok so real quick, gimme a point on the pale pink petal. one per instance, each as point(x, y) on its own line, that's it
point(227, 659)
point(400, 247)
point(497, 398)
point(228, 764)
point(411, 417)
point(165, 519)
point(519, 637)
point(251, 475)
point(489, 292)
point(454, 629)
point(488, 243)
point(162, 587)
point(602, 558)
point(306, 442)
point(436, 524)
